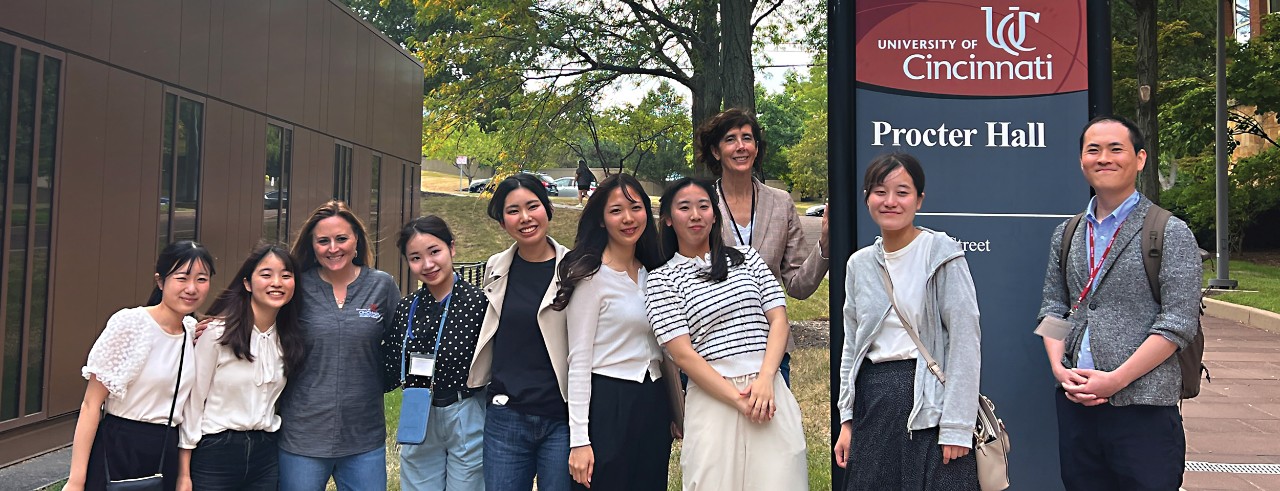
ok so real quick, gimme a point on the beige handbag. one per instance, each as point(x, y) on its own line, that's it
point(990, 441)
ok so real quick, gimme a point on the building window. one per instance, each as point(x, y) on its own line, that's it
point(374, 207)
point(275, 214)
point(180, 169)
point(342, 172)
point(1273, 6)
point(30, 85)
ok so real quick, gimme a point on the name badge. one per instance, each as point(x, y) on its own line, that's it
point(422, 365)
point(1054, 328)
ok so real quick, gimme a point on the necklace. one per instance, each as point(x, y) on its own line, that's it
point(737, 231)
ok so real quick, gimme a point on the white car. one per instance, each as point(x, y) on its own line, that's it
point(816, 211)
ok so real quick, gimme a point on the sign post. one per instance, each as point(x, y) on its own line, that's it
point(990, 96)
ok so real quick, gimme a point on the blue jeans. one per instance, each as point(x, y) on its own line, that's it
point(362, 471)
point(517, 446)
point(451, 456)
point(236, 460)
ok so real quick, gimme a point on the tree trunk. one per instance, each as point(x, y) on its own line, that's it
point(735, 34)
point(705, 85)
point(1148, 74)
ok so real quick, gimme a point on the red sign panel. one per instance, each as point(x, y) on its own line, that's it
point(972, 47)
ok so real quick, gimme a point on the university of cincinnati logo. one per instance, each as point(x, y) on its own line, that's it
point(1008, 35)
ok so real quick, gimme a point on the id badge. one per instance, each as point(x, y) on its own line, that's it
point(1054, 327)
point(422, 365)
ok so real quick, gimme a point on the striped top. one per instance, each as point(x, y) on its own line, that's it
point(724, 320)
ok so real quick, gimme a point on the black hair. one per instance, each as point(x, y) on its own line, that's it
point(428, 225)
point(235, 306)
point(511, 183)
point(588, 248)
point(182, 254)
point(305, 253)
point(722, 256)
point(710, 132)
point(880, 168)
point(1135, 134)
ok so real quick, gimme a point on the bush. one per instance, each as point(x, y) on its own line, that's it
point(1253, 188)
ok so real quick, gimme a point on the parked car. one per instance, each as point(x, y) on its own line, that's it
point(568, 186)
point(816, 211)
point(477, 185)
point(275, 200)
point(547, 182)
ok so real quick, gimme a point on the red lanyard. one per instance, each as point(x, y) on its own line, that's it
point(1094, 269)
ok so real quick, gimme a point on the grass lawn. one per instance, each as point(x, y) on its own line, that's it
point(1264, 279)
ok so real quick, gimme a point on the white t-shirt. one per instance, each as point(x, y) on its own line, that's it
point(908, 267)
point(232, 393)
point(138, 363)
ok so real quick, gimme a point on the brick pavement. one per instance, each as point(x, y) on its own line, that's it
point(1236, 418)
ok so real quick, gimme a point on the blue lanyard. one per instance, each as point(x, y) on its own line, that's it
point(404, 345)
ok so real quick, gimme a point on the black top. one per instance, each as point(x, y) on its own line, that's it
point(462, 328)
point(521, 366)
point(584, 178)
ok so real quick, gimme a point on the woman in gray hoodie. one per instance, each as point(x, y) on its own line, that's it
point(901, 428)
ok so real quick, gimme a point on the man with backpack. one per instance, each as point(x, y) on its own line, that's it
point(1112, 336)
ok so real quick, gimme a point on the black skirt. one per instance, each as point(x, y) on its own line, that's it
point(883, 453)
point(133, 449)
point(630, 427)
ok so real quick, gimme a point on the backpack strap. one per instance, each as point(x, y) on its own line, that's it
point(1068, 235)
point(1153, 245)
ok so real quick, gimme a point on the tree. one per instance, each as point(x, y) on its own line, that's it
point(646, 139)
point(1253, 189)
point(564, 54)
point(808, 158)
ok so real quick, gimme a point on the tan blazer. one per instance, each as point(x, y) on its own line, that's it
point(778, 238)
point(550, 321)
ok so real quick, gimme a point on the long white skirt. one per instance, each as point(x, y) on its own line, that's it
point(723, 450)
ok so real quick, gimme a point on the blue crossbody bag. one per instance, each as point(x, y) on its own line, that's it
point(415, 407)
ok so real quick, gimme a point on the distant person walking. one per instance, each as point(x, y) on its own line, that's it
point(584, 179)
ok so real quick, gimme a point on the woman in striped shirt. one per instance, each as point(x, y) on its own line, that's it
point(722, 316)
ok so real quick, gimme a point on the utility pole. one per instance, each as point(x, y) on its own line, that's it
point(1223, 281)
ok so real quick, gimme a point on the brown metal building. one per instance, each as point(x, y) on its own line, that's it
point(125, 124)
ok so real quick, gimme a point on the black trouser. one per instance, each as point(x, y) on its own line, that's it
point(1107, 447)
point(630, 431)
point(133, 449)
point(234, 460)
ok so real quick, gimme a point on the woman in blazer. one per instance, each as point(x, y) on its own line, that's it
point(523, 350)
point(732, 146)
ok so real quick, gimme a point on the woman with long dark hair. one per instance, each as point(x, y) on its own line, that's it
point(722, 316)
point(885, 385)
point(228, 430)
point(332, 416)
point(140, 373)
point(732, 146)
point(618, 410)
point(523, 350)
point(430, 346)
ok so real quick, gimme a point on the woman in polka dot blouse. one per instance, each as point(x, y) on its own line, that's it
point(451, 455)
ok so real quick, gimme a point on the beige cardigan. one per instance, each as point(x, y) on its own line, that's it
point(778, 238)
point(550, 321)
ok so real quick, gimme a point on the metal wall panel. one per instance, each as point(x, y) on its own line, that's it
point(145, 36)
point(312, 94)
point(148, 168)
point(286, 60)
point(221, 147)
point(122, 210)
point(384, 82)
point(76, 280)
point(24, 16)
point(362, 95)
point(73, 28)
point(245, 28)
point(408, 100)
point(300, 209)
point(216, 36)
point(194, 59)
point(341, 97)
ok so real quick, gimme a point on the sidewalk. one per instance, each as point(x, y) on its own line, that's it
point(1236, 418)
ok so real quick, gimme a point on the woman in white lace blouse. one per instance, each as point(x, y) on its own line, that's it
point(140, 370)
point(228, 437)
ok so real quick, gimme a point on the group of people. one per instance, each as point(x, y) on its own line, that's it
point(565, 365)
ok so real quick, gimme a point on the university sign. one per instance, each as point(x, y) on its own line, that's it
point(990, 96)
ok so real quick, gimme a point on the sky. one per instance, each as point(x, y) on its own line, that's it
point(770, 72)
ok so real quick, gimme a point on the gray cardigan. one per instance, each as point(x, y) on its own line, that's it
point(950, 331)
point(1121, 311)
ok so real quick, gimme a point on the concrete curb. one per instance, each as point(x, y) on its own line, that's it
point(1249, 316)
